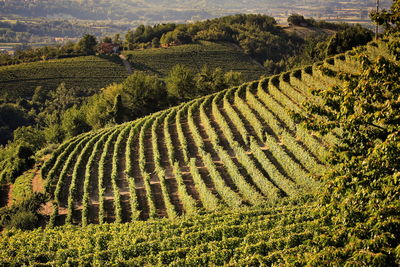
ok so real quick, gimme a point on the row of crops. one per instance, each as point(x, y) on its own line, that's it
point(236, 148)
point(240, 238)
point(224, 55)
point(83, 72)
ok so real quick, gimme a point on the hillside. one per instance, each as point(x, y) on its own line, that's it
point(236, 148)
point(227, 56)
point(86, 72)
point(210, 159)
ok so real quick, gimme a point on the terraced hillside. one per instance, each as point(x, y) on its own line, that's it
point(83, 72)
point(227, 56)
point(236, 148)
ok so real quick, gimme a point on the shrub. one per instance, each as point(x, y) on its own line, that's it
point(24, 220)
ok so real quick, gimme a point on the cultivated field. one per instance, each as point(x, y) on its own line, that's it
point(234, 163)
point(160, 61)
point(83, 72)
point(236, 148)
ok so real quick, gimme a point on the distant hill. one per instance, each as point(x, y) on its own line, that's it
point(84, 72)
point(227, 56)
point(97, 72)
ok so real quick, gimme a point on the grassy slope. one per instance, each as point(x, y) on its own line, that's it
point(86, 72)
point(160, 61)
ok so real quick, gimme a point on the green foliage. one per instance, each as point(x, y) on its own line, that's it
point(345, 40)
point(14, 160)
point(389, 19)
point(22, 215)
point(180, 83)
point(155, 43)
point(24, 220)
point(363, 187)
point(11, 117)
point(118, 109)
point(224, 55)
point(143, 94)
point(73, 122)
point(22, 188)
point(86, 45)
point(296, 19)
point(212, 81)
point(81, 72)
point(31, 136)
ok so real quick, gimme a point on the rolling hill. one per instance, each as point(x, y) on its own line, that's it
point(234, 163)
point(236, 148)
point(227, 56)
point(86, 72)
point(20, 81)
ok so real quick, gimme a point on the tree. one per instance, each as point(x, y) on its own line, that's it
point(40, 95)
point(73, 122)
point(155, 42)
point(180, 83)
point(87, 45)
point(143, 94)
point(11, 117)
point(118, 110)
point(390, 20)
point(31, 136)
point(107, 40)
point(117, 39)
point(296, 19)
point(347, 39)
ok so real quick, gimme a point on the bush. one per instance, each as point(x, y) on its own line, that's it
point(24, 220)
point(24, 214)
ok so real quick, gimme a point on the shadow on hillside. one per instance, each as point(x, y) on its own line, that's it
point(112, 58)
point(145, 68)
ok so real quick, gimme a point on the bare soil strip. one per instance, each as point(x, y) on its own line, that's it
point(139, 182)
point(154, 180)
point(172, 185)
point(123, 183)
point(199, 163)
point(109, 210)
point(185, 170)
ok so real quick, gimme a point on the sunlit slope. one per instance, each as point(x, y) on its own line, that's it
point(253, 237)
point(84, 72)
point(227, 56)
point(236, 148)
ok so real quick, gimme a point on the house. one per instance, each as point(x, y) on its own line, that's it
point(108, 48)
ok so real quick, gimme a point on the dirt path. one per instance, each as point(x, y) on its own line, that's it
point(154, 179)
point(199, 163)
point(123, 183)
point(139, 182)
point(37, 182)
point(172, 185)
point(126, 63)
point(185, 170)
point(5, 195)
